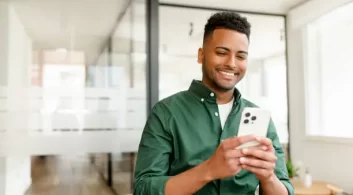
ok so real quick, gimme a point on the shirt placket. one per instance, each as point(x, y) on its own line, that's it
point(214, 112)
point(225, 132)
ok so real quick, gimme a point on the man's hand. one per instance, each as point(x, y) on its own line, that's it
point(260, 160)
point(225, 162)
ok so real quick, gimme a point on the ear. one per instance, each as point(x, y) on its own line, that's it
point(200, 56)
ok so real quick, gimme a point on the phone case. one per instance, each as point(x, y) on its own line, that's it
point(253, 121)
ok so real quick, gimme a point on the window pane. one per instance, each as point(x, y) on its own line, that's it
point(333, 74)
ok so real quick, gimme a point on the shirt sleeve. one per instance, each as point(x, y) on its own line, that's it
point(152, 162)
point(281, 168)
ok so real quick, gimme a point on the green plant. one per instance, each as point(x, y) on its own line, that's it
point(292, 171)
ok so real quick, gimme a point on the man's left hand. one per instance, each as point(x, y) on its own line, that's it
point(260, 160)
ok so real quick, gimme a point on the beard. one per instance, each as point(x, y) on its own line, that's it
point(211, 80)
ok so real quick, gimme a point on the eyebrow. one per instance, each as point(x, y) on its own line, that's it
point(225, 48)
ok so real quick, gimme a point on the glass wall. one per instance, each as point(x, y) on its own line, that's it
point(129, 55)
point(181, 34)
point(72, 95)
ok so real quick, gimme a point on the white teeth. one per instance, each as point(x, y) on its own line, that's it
point(227, 73)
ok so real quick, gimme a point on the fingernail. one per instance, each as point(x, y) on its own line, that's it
point(242, 159)
point(264, 148)
point(245, 151)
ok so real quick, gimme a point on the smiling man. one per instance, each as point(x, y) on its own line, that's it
point(188, 143)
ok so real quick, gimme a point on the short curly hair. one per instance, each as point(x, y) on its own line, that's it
point(228, 20)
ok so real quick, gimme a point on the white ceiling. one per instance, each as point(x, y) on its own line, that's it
point(73, 24)
point(85, 25)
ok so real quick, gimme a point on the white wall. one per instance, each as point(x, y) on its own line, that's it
point(15, 55)
point(3, 42)
point(328, 160)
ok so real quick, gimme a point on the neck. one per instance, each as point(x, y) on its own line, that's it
point(223, 96)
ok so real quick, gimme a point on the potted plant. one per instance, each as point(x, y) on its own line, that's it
point(292, 170)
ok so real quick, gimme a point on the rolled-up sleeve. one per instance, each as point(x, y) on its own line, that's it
point(154, 151)
point(281, 168)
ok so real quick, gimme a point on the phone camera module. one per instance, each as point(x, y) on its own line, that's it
point(247, 114)
point(246, 121)
point(253, 118)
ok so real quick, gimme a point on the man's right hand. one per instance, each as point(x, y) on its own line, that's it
point(225, 161)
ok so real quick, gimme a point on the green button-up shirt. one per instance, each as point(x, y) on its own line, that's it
point(183, 131)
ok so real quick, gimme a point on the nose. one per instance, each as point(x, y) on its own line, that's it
point(231, 61)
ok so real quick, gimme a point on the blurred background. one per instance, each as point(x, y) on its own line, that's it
point(79, 77)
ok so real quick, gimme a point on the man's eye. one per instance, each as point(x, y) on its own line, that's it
point(221, 53)
point(241, 57)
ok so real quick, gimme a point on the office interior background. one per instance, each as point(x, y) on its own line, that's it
point(79, 77)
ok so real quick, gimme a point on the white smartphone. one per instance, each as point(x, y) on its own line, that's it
point(253, 121)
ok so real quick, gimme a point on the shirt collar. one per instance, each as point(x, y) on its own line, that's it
point(205, 94)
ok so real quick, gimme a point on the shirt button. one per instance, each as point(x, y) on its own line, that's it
point(202, 99)
point(216, 113)
point(212, 94)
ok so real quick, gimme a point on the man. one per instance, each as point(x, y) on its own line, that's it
point(188, 143)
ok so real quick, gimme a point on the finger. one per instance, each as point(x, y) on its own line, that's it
point(257, 163)
point(258, 171)
point(244, 139)
point(234, 142)
point(228, 144)
point(233, 154)
point(260, 154)
point(260, 147)
point(264, 141)
point(234, 164)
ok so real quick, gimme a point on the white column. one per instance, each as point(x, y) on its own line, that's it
point(3, 43)
point(15, 175)
point(3, 77)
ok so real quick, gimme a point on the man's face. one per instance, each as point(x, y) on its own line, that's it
point(224, 59)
